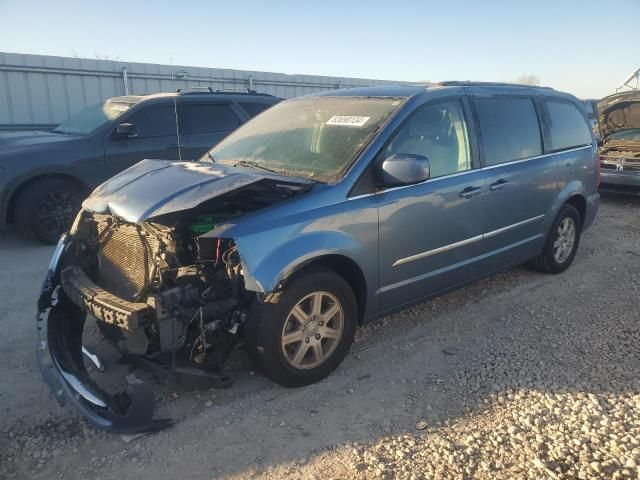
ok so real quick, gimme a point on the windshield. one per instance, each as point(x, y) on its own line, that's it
point(632, 135)
point(92, 117)
point(316, 138)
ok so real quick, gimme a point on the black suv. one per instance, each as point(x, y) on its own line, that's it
point(44, 176)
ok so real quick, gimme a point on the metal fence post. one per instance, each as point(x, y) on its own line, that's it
point(125, 80)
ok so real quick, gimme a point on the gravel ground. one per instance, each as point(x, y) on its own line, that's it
point(521, 375)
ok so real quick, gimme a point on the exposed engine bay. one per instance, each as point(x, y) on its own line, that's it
point(173, 291)
point(161, 293)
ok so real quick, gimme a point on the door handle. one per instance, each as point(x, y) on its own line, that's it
point(499, 185)
point(470, 192)
point(176, 145)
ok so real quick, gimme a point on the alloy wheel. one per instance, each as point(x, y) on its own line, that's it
point(565, 240)
point(312, 330)
point(55, 212)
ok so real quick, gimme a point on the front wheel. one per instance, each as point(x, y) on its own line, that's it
point(562, 244)
point(46, 208)
point(301, 334)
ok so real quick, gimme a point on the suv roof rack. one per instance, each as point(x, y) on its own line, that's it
point(469, 83)
point(182, 91)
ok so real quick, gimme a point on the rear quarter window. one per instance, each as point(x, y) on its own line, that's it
point(253, 108)
point(567, 126)
point(509, 129)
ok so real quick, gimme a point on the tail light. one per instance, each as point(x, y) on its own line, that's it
point(599, 174)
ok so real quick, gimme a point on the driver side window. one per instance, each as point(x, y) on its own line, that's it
point(155, 122)
point(439, 133)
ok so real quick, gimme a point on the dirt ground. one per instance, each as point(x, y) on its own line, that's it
point(522, 375)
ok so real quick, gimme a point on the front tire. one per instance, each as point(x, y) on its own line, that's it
point(562, 243)
point(46, 208)
point(301, 334)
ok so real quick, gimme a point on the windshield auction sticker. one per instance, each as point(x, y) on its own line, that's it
point(348, 120)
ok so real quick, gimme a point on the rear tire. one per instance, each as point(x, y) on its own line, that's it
point(295, 344)
point(46, 208)
point(562, 243)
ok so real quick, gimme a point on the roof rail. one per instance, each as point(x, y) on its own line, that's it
point(246, 91)
point(182, 91)
point(469, 83)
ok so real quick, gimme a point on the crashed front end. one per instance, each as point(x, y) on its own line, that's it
point(164, 295)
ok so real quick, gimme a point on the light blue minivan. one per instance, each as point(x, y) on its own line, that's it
point(319, 214)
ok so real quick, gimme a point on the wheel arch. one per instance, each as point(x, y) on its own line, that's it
point(580, 203)
point(24, 184)
point(344, 266)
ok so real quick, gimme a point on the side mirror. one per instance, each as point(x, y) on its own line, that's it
point(404, 169)
point(126, 130)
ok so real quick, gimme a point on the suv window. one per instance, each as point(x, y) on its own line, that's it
point(567, 128)
point(211, 117)
point(509, 129)
point(439, 133)
point(155, 121)
point(253, 108)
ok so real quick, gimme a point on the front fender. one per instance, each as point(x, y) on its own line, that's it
point(267, 262)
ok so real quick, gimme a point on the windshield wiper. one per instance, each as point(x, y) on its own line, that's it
point(244, 163)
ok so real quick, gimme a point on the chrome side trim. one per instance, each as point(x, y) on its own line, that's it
point(473, 170)
point(464, 242)
point(469, 261)
point(536, 157)
point(493, 233)
point(435, 251)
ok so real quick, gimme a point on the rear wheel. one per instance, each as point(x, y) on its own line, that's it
point(562, 244)
point(46, 208)
point(300, 335)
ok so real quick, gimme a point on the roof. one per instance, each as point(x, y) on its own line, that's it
point(126, 99)
point(198, 94)
point(470, 83)
point(381, 91)
point(411, 90)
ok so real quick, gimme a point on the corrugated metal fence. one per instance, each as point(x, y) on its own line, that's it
point(38, 91)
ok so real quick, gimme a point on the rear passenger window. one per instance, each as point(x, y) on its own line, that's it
point(208, 118)
point(509, 129)
point(567, 127)
point(254, 109)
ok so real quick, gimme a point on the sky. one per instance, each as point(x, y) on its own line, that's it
point(585, 47)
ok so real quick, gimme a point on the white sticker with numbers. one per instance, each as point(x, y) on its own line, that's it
point(348, 120)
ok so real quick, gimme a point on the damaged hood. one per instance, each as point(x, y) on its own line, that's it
point(156, 187)
point(619, 112)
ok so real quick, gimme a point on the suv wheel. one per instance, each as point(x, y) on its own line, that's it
point(47, 207)
point(301, 334)
point(562, 243)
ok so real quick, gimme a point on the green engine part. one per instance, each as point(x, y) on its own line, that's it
point(204, 224)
